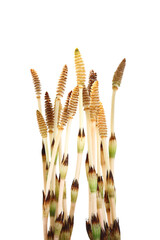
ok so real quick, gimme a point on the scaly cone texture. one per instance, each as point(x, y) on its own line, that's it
point(86, 99)
point(101, 122)
point(80, 69)
point(62, 82)
point(73, 103)
point(116, 82)
point(36, 82)
point(65, 115)
point(49, 111)
point(94, 104)
point(92, 79)
point(42, 125)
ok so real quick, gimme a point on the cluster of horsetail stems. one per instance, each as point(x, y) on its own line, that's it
point(102, 223)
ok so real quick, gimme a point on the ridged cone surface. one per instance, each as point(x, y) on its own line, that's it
point(73, 102)
point(94, 101)
point(117, 78)
point(101, 122)
point(80, 69)
point(64, 115)
point(62, 82)
point(36, 82)
point(42, 125)
point(49, 111)
point(92, 79)
point(86, 98)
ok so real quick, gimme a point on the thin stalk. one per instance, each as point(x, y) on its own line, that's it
point(98, 153)
point(105, 151)
point(54, 152)
point(65, 208)
point(60, 198)
point(90, 204)
point(39, 103)
point(113, 207)
point(89, 137)
point(50, 137)
point(100, 216)
point(94, 203)
point(93, 139)
point(46, 149)
point(111, 161)
point(60, 151)
point(72, 209)
point(113, 110)
point(45, 230)
point(68, 129)
point(78, 165)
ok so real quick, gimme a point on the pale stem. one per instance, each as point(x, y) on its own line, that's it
point(56, 112)
point(104, 174)
point(56, 237)
point(98, 153)
point(94, 203)
point(47, 151)
point(44, 175)
point(105, 152)
point(80, 107)
point(103, 211)
point(39, 103)
point(93, 139)
point(72, 209)
point(52, 185)
point(50, 137)
point(52, 222)
point(60, 152)
point(113, 110)
point(45, 220)
point(100, 216)
point(78, 165)
point(111, 161)
point(89, 207)
point(113, 207)
point(60, 198)
point(68, 129)
point(65, 208)
point(54, 152)
point(89, 138)
point(109, 217)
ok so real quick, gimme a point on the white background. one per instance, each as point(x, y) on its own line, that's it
point(43, 35)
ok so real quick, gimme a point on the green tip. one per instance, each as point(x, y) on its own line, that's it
point(76, 51)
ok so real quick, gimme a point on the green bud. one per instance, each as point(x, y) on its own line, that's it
point(112, 146)
point(96, 228)
point(80, 141)
point(92, 179)
point(74, 191)
point(64, 167)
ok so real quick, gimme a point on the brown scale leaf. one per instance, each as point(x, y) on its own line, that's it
point(101, 122)
point(94, 103)
point(73, 103)
point(42, 125)
point(86, 98)
point(80, 69)
point(92, 79)
point(62, 82)
point(36, 82)
point(65, 115)
point(117, 78)
point(49, 111)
